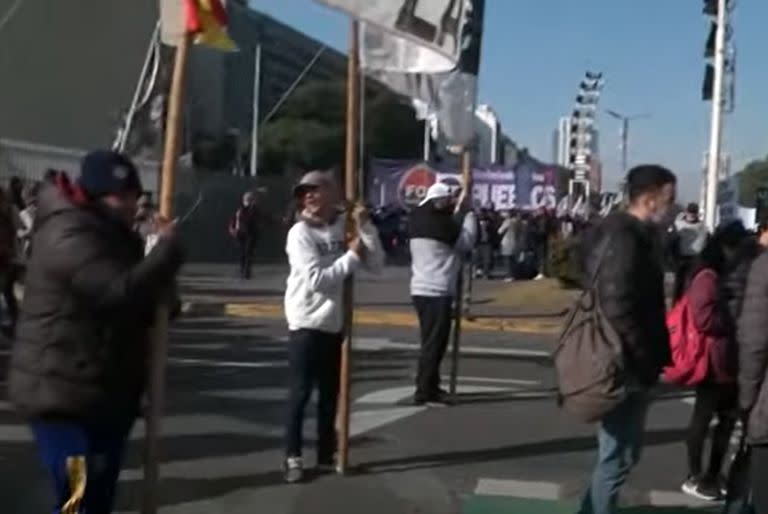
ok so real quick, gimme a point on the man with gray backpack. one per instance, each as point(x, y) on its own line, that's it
point(615, 342)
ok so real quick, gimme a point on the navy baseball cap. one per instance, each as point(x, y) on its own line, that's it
point(106, 172)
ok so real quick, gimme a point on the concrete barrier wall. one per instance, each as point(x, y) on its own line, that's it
point(205, 231)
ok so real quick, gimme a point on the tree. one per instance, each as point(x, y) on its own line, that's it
point(753, 176)
point(309, 129)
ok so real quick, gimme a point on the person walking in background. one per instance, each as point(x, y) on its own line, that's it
point(10, 223)
point(27, 222)
point(144, 223)
point(485, 243)
point(509, 234)
point(89, 305)
point(244, 227)
point(16, 192)
point(622, 256)
point(438, 241)
point(690, 237)
point(716, 396)
point(320, 259)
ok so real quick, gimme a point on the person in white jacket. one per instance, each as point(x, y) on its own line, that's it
point(321, 257)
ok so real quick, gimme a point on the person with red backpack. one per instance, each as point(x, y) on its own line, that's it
point(704, 355)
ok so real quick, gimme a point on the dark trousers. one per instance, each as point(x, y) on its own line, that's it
point(247, 247)
point(9, 296)
point(484, 259)
point(711, 400)
point(435, 316)
point(83, 460)
point(510, 263)
point(758, 461)
point(314, 361)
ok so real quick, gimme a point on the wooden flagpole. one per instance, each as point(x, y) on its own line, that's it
point(466, 171)
point(350, 182)
point(159, 349)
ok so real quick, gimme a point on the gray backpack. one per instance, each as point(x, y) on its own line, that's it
point(589, 359)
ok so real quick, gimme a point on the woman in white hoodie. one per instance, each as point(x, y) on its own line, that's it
point(321, 257)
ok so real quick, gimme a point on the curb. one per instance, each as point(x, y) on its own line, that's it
point(373, 317)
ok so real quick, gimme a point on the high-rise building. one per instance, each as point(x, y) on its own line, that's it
point(561, 142)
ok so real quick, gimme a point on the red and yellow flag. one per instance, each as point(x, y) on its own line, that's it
point(207, 21)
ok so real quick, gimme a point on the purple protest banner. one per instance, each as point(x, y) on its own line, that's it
point(529, 185)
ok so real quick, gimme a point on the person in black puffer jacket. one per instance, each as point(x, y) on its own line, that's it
point(79, 363)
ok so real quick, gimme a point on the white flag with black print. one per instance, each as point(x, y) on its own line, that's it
point(435, 24)
point(413, 71)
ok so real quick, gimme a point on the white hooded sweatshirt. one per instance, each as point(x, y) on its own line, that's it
point(320, 262)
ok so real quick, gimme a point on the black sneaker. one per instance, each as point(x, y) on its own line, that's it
point(294, 470)
point(702, 489)
point(328, 465)
point(440, 399)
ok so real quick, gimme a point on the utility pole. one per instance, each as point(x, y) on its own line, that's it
point(625, 121)
point(256, 99)
point(716, 129)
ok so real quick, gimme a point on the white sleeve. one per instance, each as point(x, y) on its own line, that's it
point(303, 256)
point(468, 233)
point(504, 228)
point(374, 257)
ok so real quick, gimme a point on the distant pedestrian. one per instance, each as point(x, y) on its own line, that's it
point(485, 243)
point(690, 237)
point(321, 259)
point(439, 239)
point(244, 228)
point(10, 223)
point(622, 256)
point(510, 242)
point(79, 363)
point(16, 191)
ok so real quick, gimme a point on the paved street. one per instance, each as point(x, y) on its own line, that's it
point(505, 440)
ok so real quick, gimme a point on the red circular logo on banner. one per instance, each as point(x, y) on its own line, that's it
point(414, 184)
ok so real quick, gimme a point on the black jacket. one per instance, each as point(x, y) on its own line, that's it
point(753, 351)
point(89, 302)
point(631, 292)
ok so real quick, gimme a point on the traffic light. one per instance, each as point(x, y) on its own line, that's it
point(707, 88)
point(709, 48)
point(710, 7)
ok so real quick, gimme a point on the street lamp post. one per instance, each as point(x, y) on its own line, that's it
point(718, 100)
point(625, 121)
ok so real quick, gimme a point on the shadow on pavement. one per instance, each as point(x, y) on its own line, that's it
point(540, 448)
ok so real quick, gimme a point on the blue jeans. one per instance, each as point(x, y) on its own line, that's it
point(620, 441)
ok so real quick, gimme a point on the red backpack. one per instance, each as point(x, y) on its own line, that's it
point(690, 348)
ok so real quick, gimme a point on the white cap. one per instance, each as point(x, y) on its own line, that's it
point(435, 191)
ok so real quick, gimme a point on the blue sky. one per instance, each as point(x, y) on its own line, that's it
point(535, 53)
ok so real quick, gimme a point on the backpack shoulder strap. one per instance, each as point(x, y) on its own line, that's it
point(602, 251)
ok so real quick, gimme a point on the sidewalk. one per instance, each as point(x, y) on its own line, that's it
point(524, 307)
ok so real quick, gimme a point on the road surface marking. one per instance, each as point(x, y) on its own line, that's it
point(264, 394)
point(490, 380)
point(518, 489)
point(375, 344)
point(393, 395)
point(227, 364)
point(551, 491)
point(200, 346)
point(675, 499)
point(364, 316)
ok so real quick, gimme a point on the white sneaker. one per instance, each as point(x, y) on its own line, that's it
point(294, 470)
